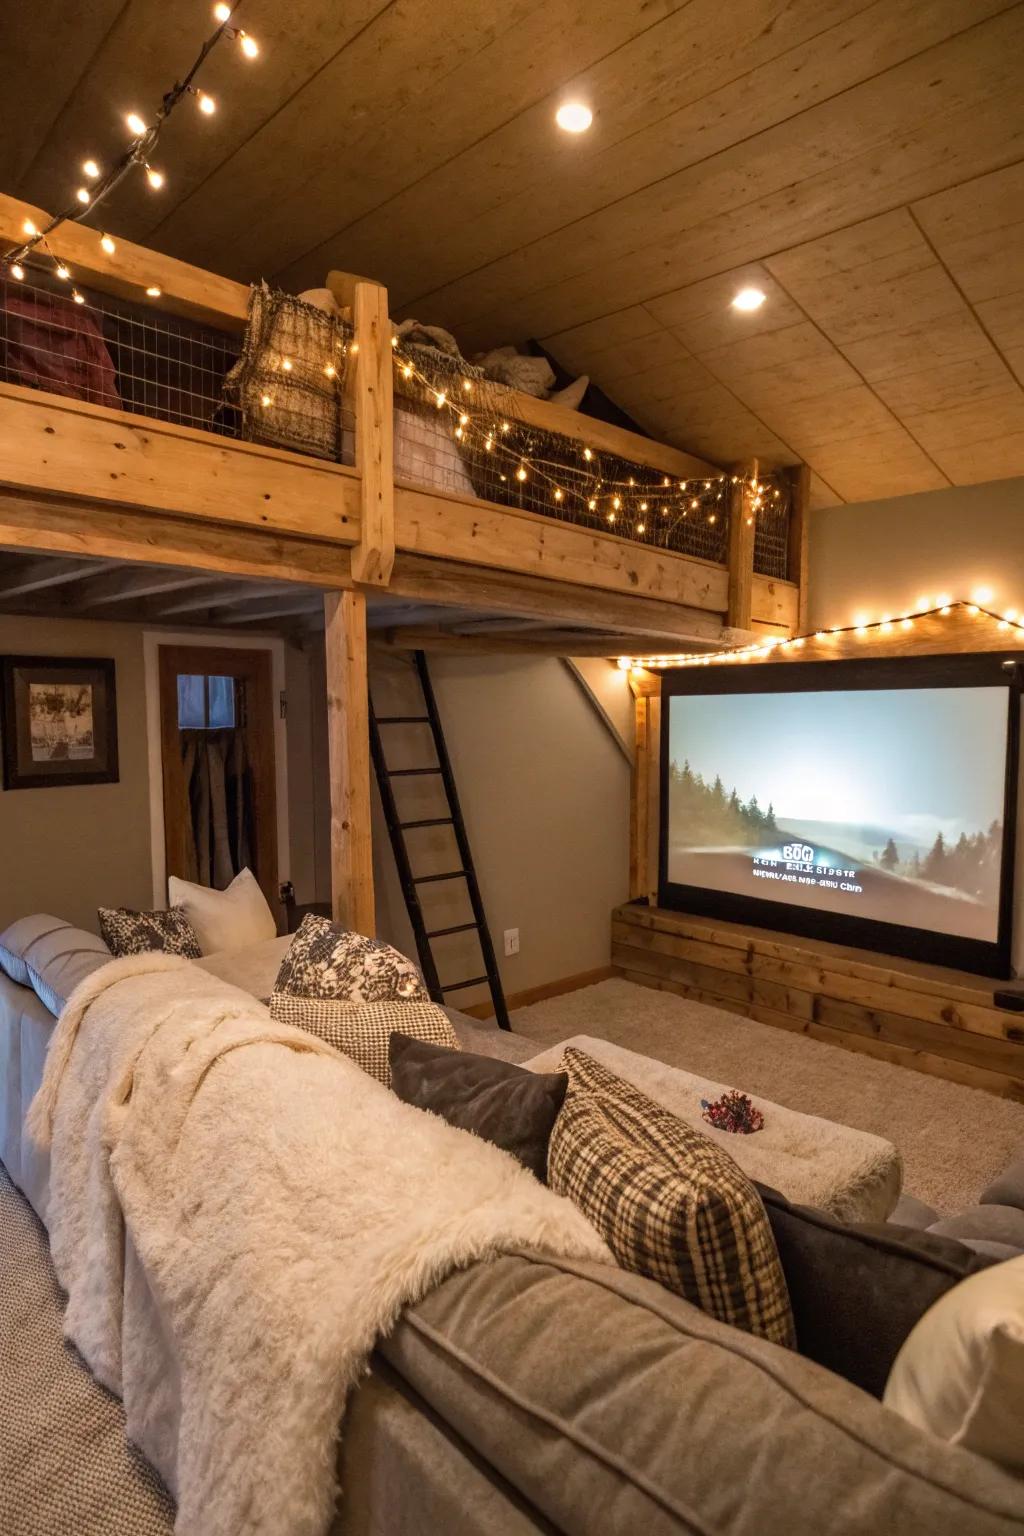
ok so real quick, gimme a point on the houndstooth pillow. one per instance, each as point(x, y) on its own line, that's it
point(134, 933)
point(328, 961)
point(670, 1204)
point(363, 1030)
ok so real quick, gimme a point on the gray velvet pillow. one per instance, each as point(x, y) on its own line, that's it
point(497, 1101)
point(858, 1289)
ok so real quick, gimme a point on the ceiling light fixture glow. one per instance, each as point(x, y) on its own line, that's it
point(574, 117)
point(749, 299)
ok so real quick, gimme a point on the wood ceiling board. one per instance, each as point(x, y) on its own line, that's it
point(955, 338)
point(953, 113)
point(47, 74)
point(702, 316)
point(150, 45)
point(657, 351)
point(975, 463)
point(978, 231)
point(972, 382)
point(413, 90)
point(866, 467)
point(665, 99)
point(820, 494)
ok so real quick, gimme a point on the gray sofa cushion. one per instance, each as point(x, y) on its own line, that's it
point(617, 1408)
point(858, 1289)
point(58, 961)
point(985, 1223)
point(18, 939)
point(1008, 1189)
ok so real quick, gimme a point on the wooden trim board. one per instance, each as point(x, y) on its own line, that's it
point(941, 1022)
point(542, 993)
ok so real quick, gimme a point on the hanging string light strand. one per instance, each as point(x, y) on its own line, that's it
point(643, 505)
point(99, 184)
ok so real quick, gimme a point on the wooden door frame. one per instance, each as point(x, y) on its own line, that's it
point(155, 640)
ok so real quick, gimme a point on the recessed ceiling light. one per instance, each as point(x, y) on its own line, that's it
point(574, 117)
point(748, 299)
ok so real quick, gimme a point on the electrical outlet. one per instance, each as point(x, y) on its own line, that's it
point(511, 941)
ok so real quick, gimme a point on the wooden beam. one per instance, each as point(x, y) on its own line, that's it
point(424, 579)
point(39, 575)
point(414, 637)
point(348, 736)
point(741, 552)
point(799, 531)
point(374, 555)
point(479, 533)
point(131, 269)
point(53, 445)
point(62, 525)
point(120, 586)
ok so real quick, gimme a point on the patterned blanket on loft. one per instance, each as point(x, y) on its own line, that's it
point(237, 1213)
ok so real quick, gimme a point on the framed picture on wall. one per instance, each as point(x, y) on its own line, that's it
point(58, 719)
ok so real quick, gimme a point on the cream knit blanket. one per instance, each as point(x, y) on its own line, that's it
point(281, 1208)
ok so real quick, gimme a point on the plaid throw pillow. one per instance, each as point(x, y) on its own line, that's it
point(125, 932)
point(670, 1204)
point(328, 961)
point(362, 1030)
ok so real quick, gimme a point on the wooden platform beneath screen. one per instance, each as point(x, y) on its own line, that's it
point(933, 1020)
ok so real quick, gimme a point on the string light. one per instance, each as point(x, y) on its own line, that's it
point(153, 292)
point(63, 273)
point(144, 138)
point(861, 626)
point(629, 500)
point(79, 298)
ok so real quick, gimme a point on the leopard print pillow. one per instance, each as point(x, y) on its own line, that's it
point(325, 960)
point(136, 933)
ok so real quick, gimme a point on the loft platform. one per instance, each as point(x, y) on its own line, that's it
point(149, 483)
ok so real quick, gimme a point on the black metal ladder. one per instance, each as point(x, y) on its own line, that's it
point(410, 883)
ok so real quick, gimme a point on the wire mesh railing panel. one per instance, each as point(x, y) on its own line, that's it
point(108, 352)
point(456, 432)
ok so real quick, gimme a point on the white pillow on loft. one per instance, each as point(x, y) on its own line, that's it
point(230, 919)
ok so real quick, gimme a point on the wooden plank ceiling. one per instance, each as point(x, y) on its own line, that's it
point(860, 162)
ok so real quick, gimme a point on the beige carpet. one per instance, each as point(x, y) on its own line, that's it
point(954, 1140)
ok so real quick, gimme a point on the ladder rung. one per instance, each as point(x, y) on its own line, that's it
point(431, 821)
point(440, 933)
point(454, 874)
point(404, 773)
point(403, 719)
point(460, 986)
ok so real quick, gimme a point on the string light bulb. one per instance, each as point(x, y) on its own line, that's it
point(153, 292)
point(84, 196)
point(155, 178)
point(206, 104)
point(222, 13)
point(135, 124)
point(248, 45)
point(29, 228)
point(79, 298)
point(521, 472)
point(90, 169)
point(108, 244)
point(62, 272)
point(18, 272)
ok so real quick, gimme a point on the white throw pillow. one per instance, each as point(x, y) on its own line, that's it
point(960, 1372)
point(228, 919)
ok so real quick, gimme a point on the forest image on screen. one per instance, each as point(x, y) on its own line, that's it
point(879, 803)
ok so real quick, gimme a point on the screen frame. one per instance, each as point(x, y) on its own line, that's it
point(973, 670)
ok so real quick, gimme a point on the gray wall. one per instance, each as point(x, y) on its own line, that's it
point(70, 850)
point(882, 557)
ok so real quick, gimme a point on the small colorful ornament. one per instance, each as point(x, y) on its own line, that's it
point(733, 1112)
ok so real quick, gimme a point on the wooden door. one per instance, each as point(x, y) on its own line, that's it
point(251, 672)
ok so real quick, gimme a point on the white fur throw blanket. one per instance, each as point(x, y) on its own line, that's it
point(281, 1208)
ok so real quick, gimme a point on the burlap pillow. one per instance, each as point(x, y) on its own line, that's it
point(670, 1204)
point(362, 1030)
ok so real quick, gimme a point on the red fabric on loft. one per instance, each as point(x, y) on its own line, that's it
point(49, 342)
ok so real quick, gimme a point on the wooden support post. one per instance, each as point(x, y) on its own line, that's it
point(741, 550)
point(348, 737)
point(799, 529)
point(640, 801)
point(374, 555)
